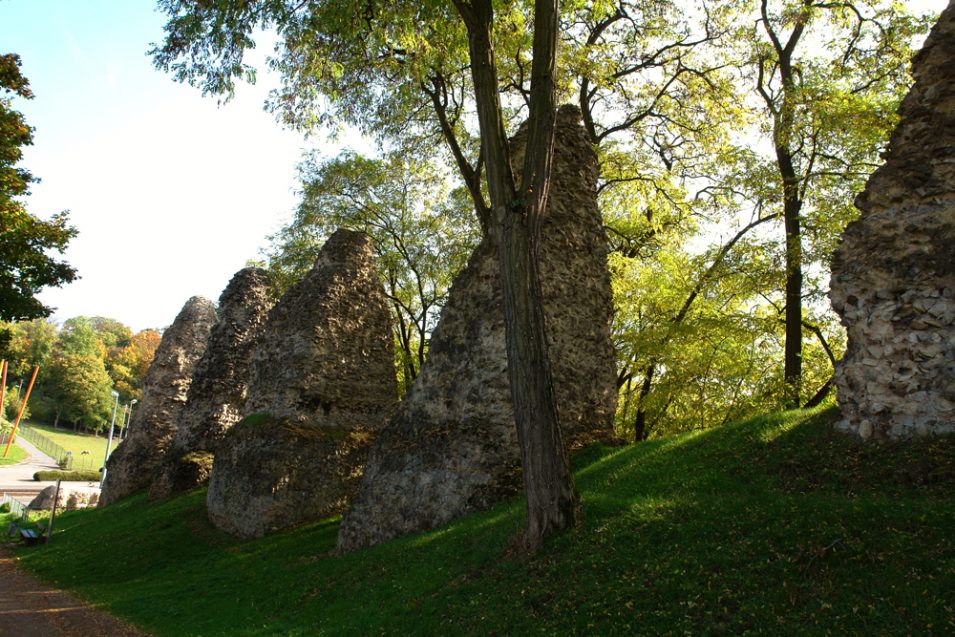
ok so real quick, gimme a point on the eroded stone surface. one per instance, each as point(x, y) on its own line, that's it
point(152, 427)
point(322, 382)
point(452, 448)
point(70, 497)
point(893, 275)
point(279, 474)
point(217, 394)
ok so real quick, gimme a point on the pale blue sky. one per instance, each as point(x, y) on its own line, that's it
point(171, 194)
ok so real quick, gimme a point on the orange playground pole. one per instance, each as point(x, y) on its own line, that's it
point(23, 406)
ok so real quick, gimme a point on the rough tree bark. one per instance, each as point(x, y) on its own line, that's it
point(551, 498)
point(783, 125)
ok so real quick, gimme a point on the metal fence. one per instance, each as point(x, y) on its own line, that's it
point(16, 507)
point(64, 458)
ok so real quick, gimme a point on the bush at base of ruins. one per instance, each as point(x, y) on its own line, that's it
point(68, 476)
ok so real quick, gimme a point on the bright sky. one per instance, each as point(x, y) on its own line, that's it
point(171, 193)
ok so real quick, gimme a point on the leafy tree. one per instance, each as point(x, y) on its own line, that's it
point(211, 39)
point(421, 229)
point(79, 337)
point(828, 77)
point(127, 365)
point(26, 242)
point(31, 343)
point(840, 115)
point(110, 332)
point(82, 390)
point(77, 381)
point(12, 401)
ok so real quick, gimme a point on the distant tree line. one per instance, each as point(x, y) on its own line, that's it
point(81, 363)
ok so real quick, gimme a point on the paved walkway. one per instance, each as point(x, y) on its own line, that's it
point(29, 608)
point(17, 479)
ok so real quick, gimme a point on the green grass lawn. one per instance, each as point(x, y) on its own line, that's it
point(776, 526)
point(15, 455)
point(78, 443)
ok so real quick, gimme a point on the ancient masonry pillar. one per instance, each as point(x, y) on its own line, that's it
point(893, 275)
point(216, 398)
point(152, 428)
point(451, 447)
point(322, 383)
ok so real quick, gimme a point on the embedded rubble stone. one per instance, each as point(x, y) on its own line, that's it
point(70, 497)
point(216, 399)
point(451, 448)
point(152, 427)
point(893, 275)
point(322, 383)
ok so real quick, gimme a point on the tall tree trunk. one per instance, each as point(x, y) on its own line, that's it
point(784, 125)
point(551, 498)
point(792, 355)
point(640, 422)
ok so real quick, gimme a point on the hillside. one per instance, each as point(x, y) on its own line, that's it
point(769, 527)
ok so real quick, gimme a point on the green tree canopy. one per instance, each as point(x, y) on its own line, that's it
point(80, 364)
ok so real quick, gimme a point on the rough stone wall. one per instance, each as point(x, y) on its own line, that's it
point(217, 394)
point(893, 275)
point(322, 382)
point(452, 447)
point(152, 427)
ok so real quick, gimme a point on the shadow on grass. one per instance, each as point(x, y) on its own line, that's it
point(752, 528)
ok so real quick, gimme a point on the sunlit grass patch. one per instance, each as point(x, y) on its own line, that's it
point(778, 525)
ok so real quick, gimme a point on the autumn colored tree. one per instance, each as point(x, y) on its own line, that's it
point(127, 365)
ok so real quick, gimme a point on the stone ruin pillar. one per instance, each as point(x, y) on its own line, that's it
point(322, 384)
point(893, 275)
point(216, 397)
point(451, 448)
point(153, 424)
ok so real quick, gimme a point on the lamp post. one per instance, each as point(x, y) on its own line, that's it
point(127, 418)
point(109, 440)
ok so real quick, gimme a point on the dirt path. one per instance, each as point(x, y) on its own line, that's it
point(29, 608)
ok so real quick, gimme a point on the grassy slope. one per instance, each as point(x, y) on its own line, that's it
point(15, 455)
point(775, 526)
point(78, 443)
